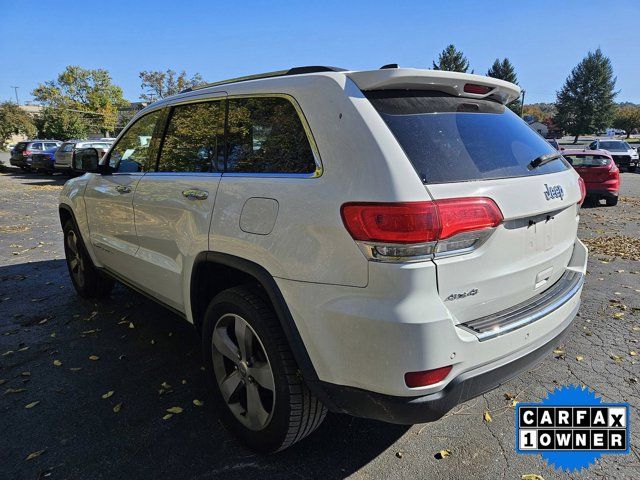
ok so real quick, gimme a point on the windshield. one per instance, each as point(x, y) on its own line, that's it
point(587, 160)
point(453, 139)
point(615, 146)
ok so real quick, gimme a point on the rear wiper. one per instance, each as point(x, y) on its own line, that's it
point(542, 159)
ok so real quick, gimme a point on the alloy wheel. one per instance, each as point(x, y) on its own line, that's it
point(243, 371)
point(74, 258)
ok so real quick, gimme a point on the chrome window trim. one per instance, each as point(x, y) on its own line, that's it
point(222, 95)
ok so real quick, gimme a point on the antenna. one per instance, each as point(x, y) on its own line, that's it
point(16, 90)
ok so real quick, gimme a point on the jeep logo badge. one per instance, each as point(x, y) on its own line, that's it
point(554, 191)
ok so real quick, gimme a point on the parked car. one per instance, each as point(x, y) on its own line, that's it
point(599, 172)
point(21, 153)
point(554, 143)
point(377, 246)
point(44, 161)
point(64, 157)
point(623, 154)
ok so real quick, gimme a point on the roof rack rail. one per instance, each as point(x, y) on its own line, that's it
point(277, 73)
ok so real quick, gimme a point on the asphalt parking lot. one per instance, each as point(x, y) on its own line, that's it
point(85, 387)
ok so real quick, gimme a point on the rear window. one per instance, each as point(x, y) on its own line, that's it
point(616, 146)
point(453, 139)
point(587, 160)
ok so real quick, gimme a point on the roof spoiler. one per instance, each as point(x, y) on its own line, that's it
point(453, 83)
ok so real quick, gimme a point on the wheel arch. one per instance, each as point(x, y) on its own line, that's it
point(214, 272)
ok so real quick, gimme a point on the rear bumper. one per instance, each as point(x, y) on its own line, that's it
point(18, 162)
point(44, 164)
point(428, 408)
point(602, 193)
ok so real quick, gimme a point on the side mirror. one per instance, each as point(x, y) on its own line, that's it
point(87, 160)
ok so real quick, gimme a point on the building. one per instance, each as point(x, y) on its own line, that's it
point(540, 127)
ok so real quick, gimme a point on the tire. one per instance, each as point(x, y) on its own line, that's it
point(611, 201)
point(283, 410)
point(86, 279)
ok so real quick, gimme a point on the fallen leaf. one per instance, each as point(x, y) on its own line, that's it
point(117, 407)
point(75, 369)
point(532, 476)
point(198, 403)
point(57, 362)
point(14, 390)
point(514, 403)
point(94, 357)
point(3, 381)
point(167, 416)
point(616, 358)
point(32, 404)
point(23, 349)
point(399, 454)
point(558, 351)
point(174, 410)
point(53, 335)
point(618, 315)
point(487, 417)
point(25, 374)
point(632, 353)
point(35, 454)
point(442, 454)
point(108, 394)
point(579, 358)
point(509, 395)
point(131, 325)
point(8, 352)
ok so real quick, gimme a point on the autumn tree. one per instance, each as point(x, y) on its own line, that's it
point(627, 118)
point(585, 102)
point(157, 84)
point(14, 121)
point(79, 101)
point(504, 70)
point(452, 60)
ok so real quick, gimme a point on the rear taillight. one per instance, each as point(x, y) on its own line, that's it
point(26, 153)
point(583, 190)
point(427, 377)
point(410, 231)
point(477, 89)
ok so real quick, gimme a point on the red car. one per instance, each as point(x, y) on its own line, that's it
point(599, 172)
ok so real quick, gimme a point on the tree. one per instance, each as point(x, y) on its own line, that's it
point(79, 100)
point(157, 84)
point(627, 118)
point(535, 112)
point(585, 102)
point(62, 123)
point(14, 121)
point(505, 71)
point(452, 60)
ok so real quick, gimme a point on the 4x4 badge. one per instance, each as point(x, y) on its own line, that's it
point(554, 191)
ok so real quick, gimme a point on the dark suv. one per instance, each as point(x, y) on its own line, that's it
point(21, 154)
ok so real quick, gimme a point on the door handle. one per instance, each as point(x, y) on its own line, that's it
point(123, 189)
point(195, 194)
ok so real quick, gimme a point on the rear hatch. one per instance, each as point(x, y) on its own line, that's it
point(593, 169)
point(470, 147)
point(20, 147)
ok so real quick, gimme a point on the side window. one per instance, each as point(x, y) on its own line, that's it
point(265, 135)
point(132, 152)
point(36, 146)
point(49, 145)
point(194, 139)
point(67, 147)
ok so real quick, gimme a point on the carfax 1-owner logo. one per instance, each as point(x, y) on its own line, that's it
point(572, 427)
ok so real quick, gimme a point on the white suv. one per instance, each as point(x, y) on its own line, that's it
point(382, 243)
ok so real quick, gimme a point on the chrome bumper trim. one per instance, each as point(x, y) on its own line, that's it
point(529, 311)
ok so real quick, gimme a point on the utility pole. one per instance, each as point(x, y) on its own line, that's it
point(522, 105)
point(15, 89)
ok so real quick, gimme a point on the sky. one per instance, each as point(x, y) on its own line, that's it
point(543, 39)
